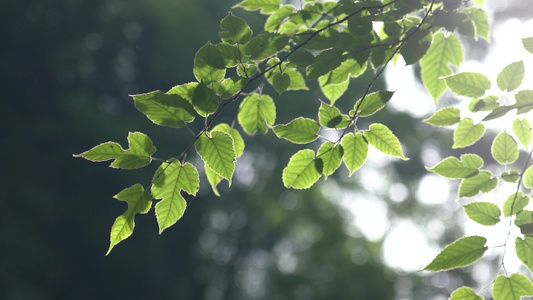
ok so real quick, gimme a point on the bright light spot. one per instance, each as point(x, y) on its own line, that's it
point(406, 247)
point(370, 214)
point(398, 192)
point(433, 189)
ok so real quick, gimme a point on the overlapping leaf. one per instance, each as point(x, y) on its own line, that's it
point(266, 6)
point(165, 109)
point(238, 141)
point(298, 131)
point(209, 64)
point(265, 45)
point(236, 30)
point(459, 254)
point(444, 50)
point(372, 103)
point(217, 151)
point(524, 251)
point(303, 170)
point(138, 155)
point(331, 156)
point(451, 167)
point(139, 201)
point(482, 182)
point(330, 116)
point(467, 133)
point(515, 203)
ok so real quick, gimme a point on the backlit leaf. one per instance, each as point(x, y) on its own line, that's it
point(482, 182)
point(238, 141)
point(298, 131)
point(185, 90)
point(498, 112)
point(445, 117)
point(275, 20)
point(460, 253)
point(524, 101)
point(209, 64)
point(451, 167)
point(213, 178)
point(444, 50)
point(465, 293)
point(485, 104)
point(468, 84)
point(331, 156)
point(297, 81)
point(303, 170)
point(504, 148)
point(372, 103)
point(349, 67)
point(528, 44)
point(326, 61)
point(236, 30)
point(165, 109)
point(524, 251)
point(485, 213)
point(355, 151)
point(216, 150)
point(528, 177)
point(230, 86)
point(265, 45)
point(256, 112)
point(204, 100)
point(333, 91)
point(511, 76)
point(168, 182)
point(416, 46)
point(138, 155)
point(515, 203)
point(139, 201)
point(380, 136)
point(266, 6)
point(511, 288)
point(330, 116)
point(281, 82)
point(522, 130)
point(466, 133)
point(480, 20)
point(510, 176)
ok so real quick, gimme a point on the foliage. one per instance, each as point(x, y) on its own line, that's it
point(335, 43)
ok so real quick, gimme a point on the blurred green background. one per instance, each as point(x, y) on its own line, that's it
point(67, 70)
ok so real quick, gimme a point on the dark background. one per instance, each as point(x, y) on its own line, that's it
point(67, 68)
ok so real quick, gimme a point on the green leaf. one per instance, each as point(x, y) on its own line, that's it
point(524, 251)
point(372, 103)
point(480, 20)
point(380, 136)
point(275, 20)
point(323, 40)
point(443, 51)
point(528, 177)
point(265, 45)
point(257, 112)
point(468, 84)
point(504, 148)
point(451, 167)
point(204, 100)
point(511, 288)
point(217, 151)
point(465, 293)
point(485, 213)
point(355, 151)
point(488, 103)
point(528, 44)
point(460, 253)
point(230, 86)
point(209, 64)
point(331, 156)
point(515, 203)
point(297, 81)
point(349, 67)
point(498, 112)
point(329, 116)
point(213, 178)
point(237, 31)
point(445, 117)
point(522, 130)
point(298, 131)
point(165, 109)
point(332, 91)
point(230, 54)
point(138, 155)
point(301, 59)
point(483, 181)
point(184, 90)
point(524, 101)
point(139, 201)
point(510, 176)
point(238, 141)
point(303, 170)
point(326, 61)
point(511, 76)
point(266, 6)
point(168, 182)
point(466, 133)
point(416, 46)
point(281, 82)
